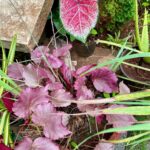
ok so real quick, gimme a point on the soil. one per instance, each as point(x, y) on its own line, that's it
point(135, 73)
point(84, 50)
point(99, 55)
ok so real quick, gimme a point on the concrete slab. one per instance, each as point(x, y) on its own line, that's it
point(26, 18)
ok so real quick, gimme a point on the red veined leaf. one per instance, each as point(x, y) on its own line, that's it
point(79, 17)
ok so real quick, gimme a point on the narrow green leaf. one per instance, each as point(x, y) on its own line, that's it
point(12, 50)
point(131, 110)
point(136, 18)
point(145, 35)
point(3, 121)
point(8, 88)
point(4, 60)
point(114, 66)
point(119, 60)
point(9, 80)
point(133, 96)
point(140, 103)
point(137, 127)
point(6, 130)
point(138, 141)
point(117, 45)
point(1, 105)
point(132, 80)
point(129, 139)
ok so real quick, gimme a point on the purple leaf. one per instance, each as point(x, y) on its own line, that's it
point(15, 71)
point(104, 80)
point(120, 120)
point(123, 89)
point(7, 100)
point(30, 76)
point(44, 144)
point(36, 54)
point(54, 86)
point(84, 94)
point(83, 69)
point(79, 17)
point(60, 98)
point(4, 147)
point(44, 73)
point(63, 51)
point(99, 119)
point(79, 83)
point(104, 146)
point(54, 61)
point(66, 73)
point(28, 101)
point(46, 116)
point(40, 143)
point(26, 144)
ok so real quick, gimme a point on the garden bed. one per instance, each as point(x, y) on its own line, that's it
point(69, 92)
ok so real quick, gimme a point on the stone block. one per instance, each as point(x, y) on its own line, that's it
point(26, 18)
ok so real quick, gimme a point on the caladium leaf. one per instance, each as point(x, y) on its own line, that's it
point(79, 17)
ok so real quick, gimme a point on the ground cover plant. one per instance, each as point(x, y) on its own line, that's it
point(49, 104)
point(45, 90)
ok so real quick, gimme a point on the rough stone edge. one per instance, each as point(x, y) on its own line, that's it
point(30, 44)
point(36, 34)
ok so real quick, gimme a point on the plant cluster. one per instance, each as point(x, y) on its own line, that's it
point(118, 12)
point(48, 84)
point(41, 92)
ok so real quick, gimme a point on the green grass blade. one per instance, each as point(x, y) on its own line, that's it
point(137, 127)
point(131, 110)
point(114, 66)
point(138, 141)
point(140, 103)
point(6, 130)
point(8, 88)
point(136, 19)
point(119, 60)
point(9, 80)
point(12, 50)
point(145, 35)
point(117, 45)
point(133, 96)
point(3, 121)
point(4, 60)
point(132, 80)
point(129, 139)
point(1, 105)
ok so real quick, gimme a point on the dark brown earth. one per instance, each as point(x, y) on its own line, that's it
point(136, 73)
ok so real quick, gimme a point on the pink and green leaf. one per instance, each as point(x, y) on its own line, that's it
point(79, 17)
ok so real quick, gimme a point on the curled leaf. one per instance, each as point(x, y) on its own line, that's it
point(105, 80)
point(104, 146)
point(40, 143)
point(28, 101)
point(60, 98)
point(46, 116)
